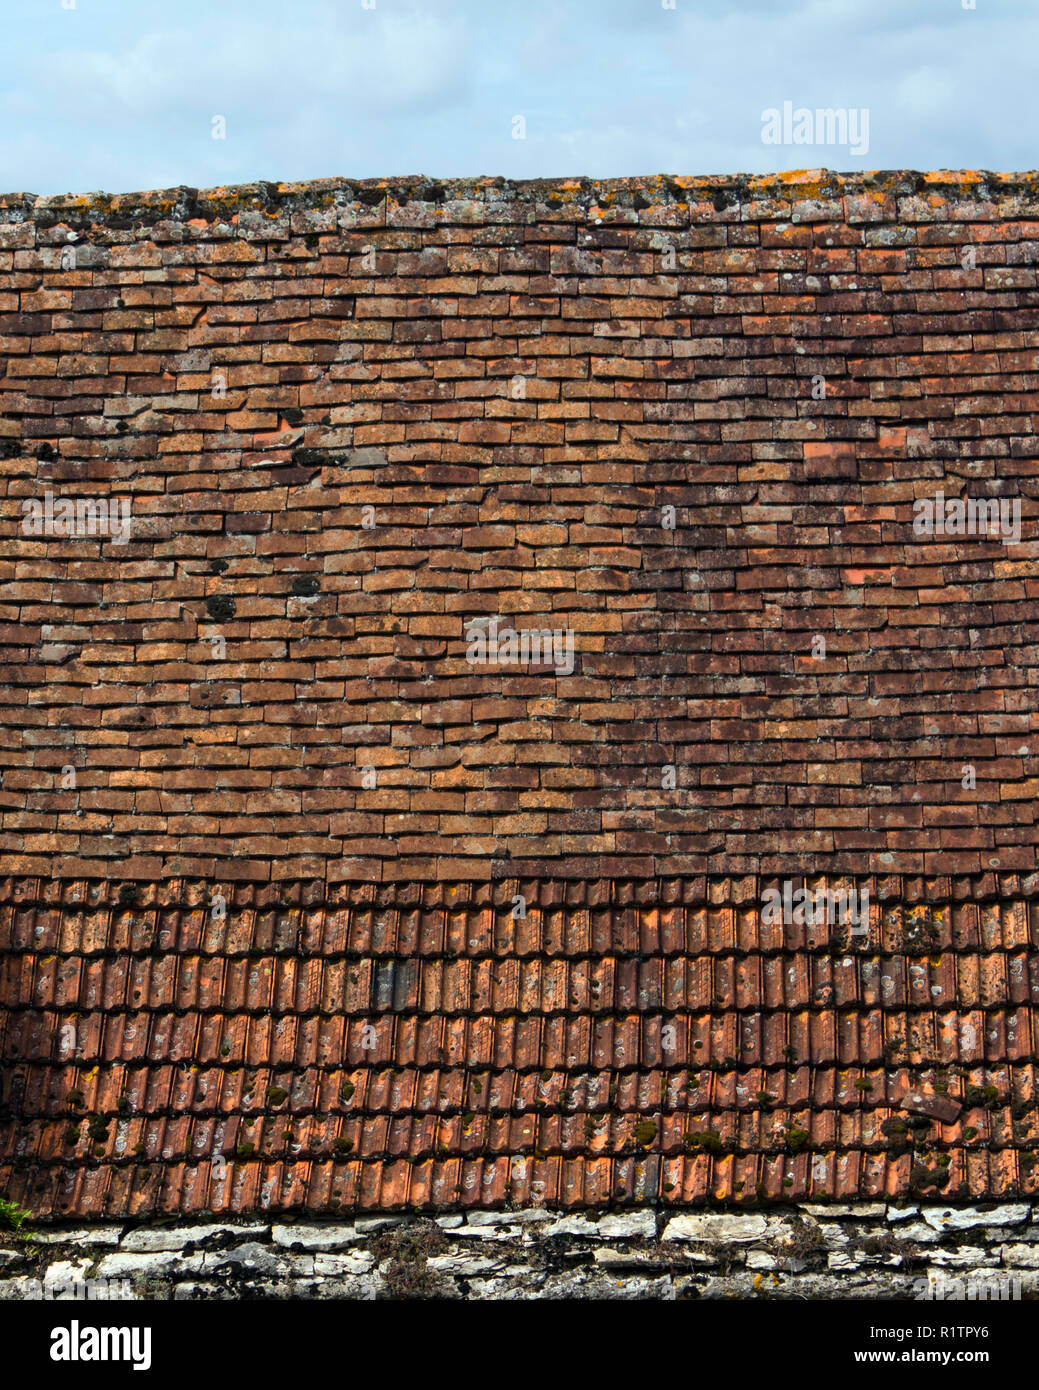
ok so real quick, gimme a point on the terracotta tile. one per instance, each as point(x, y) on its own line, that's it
point(499, 1048)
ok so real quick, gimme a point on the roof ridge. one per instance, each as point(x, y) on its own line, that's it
point(636, 193)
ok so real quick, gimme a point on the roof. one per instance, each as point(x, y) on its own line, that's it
point(287, 837)
point(164, 1062)
point(347, 429)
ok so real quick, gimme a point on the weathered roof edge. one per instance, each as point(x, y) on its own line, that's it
point(724, 194)
point(733, 890)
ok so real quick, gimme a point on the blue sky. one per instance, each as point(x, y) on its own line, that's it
point(121, 95)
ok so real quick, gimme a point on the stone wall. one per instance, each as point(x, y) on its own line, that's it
point(861, 1251)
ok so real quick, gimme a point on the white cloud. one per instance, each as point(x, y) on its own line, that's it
point(122, 96)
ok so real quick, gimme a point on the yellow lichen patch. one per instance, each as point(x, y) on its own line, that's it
point(791, 184)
